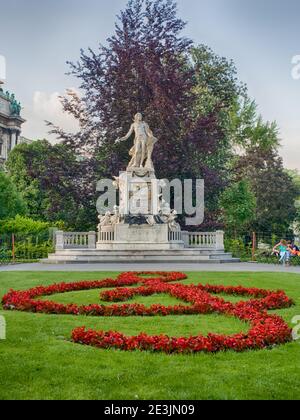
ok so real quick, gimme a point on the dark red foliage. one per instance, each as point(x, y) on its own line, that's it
point(147, 66)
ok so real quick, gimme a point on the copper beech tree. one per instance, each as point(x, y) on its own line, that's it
point(147, 66)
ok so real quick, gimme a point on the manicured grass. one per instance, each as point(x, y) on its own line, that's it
point(37, 361)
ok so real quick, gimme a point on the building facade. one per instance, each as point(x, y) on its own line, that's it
point(10, 123)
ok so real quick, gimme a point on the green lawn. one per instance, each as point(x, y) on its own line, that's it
point(37, 361)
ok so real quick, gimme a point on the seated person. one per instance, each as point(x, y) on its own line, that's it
point(294, 250)
point(282, 249)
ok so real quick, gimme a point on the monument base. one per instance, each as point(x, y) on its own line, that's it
point(142, 246)
point(174, 246)
point(124, 237)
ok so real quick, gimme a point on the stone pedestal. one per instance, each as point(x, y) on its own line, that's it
point(139, 222)
point(157, 234)
point(124, 237)
point(139, 192)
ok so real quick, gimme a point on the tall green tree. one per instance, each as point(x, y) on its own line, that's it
point(274, 190)
point(295, 175)
point(248, 130)
point(11, 202)
point(216, 90)
point(51, 180)
point(217, 85)
point(238, 204)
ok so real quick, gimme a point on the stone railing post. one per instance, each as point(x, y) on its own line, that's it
point(92, 240)
point(185, 238)
point(59, 240)
point(220, 240)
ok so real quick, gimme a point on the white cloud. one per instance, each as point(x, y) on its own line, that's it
point(46, 107)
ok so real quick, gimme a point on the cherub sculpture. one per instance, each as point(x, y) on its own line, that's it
point(172, 221)
point(104, 220)
point(115, 218)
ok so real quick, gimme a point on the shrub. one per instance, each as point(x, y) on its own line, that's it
point(238, 249)
point(25, 225)
point(30, 251)
point(33, 239)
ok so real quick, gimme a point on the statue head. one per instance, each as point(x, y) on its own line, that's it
point(138, 117)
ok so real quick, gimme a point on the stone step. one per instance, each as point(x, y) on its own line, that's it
point(113, 257)
point(146, 260)
point(181, 252)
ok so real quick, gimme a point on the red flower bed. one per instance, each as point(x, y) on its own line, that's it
point(265, 330)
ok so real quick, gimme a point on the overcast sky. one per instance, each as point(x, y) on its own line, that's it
point(261, 36)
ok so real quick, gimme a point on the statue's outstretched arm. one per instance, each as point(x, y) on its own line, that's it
point(127, 135)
